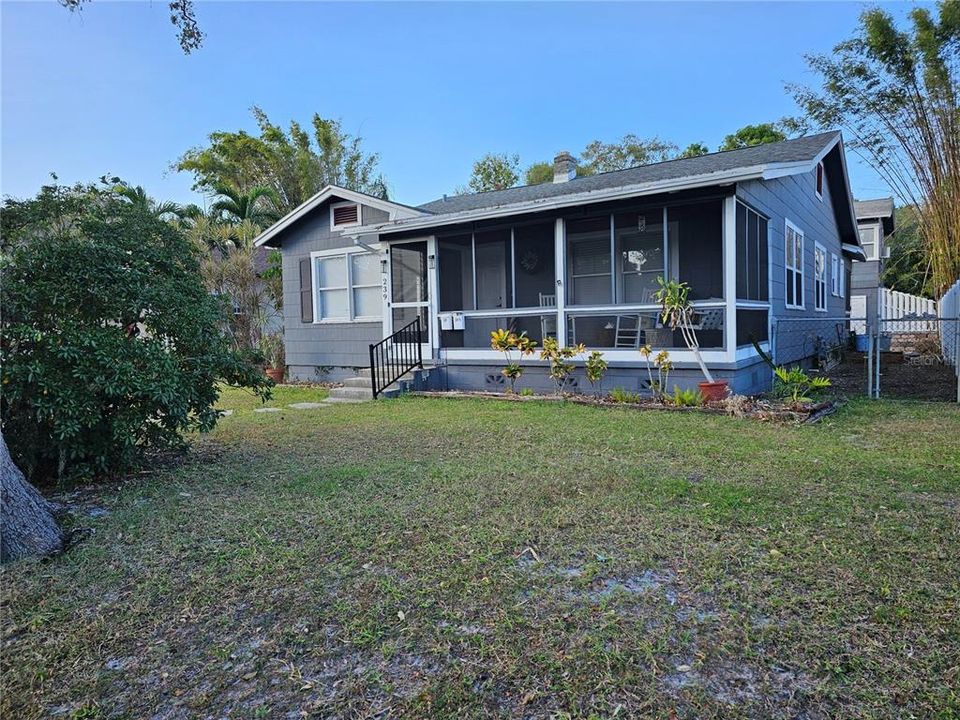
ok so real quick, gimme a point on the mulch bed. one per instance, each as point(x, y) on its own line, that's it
point(901, 376)
point(757, 408)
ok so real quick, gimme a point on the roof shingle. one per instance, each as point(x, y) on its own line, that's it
point(797, 150)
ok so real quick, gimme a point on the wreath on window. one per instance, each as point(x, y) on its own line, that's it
point(529, 262)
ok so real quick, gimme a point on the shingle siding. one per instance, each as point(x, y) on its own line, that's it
point(794, 198)
point(321, 345)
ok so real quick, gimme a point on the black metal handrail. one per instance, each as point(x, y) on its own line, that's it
point(396, 355)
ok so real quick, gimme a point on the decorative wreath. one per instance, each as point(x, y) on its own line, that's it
point(530, 261)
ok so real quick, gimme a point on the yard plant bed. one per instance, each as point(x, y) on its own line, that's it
point(474, 559)
point(754, 407)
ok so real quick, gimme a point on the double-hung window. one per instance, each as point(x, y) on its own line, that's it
point(819, 278)
point(347, 287)
point(794, 266)
point(835, 268)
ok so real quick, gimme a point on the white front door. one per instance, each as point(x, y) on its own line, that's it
point(409, 289)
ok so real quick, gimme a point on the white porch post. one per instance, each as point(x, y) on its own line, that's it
point(560, 265)
point(730, 276)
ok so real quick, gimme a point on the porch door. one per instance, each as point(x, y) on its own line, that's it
point(410, 289)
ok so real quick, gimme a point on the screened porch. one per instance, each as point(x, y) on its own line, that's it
point(600, 290)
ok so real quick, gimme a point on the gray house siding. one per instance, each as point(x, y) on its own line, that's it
point(794, 198)
point(321, 351)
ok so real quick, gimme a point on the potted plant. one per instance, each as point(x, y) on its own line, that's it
point(271, 345)
point(677, 312)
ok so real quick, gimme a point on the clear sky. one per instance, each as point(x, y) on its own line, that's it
point(431, 87)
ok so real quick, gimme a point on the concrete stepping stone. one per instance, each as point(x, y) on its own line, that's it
point(225, 413)
point(306, 405)
point(267, 409)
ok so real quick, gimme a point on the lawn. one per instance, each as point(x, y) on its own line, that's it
point(465, 558)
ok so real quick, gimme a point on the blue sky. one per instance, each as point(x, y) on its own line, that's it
point(430, 87)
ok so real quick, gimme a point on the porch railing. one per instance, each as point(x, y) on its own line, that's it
point(396, 355)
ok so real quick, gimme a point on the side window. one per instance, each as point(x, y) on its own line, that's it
point(794, 266)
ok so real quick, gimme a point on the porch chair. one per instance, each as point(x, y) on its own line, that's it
point(548, 323)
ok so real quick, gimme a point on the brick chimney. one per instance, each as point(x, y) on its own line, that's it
point(564, 167)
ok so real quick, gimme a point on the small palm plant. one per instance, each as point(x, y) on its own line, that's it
point(508, 342)
point(560, 366)
point(796, 385)
point(596, 367)
point(677, 312)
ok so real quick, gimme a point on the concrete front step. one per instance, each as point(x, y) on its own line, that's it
point(351, 393)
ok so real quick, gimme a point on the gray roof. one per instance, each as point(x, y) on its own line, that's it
point(798, 150)
point(880, 208)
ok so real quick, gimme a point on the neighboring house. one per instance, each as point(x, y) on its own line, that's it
point(759, 233)
point(875, 222)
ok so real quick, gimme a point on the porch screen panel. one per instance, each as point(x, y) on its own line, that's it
point(697, 230)
point(639, 245)
point(752, 253)
point(493, 269)
point(589, 268)
point(534, 265)
point(408, 266)
point(456, 272)
point(405, 315)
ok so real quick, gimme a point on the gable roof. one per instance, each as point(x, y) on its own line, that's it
point(870, 209)
point(803, 150)
point(396, 210)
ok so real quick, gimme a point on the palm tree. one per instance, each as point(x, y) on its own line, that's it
point(258, 205)
point(138, 198)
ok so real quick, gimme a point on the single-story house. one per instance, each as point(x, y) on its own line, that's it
point(759, 233)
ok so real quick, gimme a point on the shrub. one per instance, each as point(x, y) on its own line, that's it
point(663, 364)
point(560, 366)
point(110, 342)
point(794, 384)
point(619, 395)
point(596, 368)
point(685, 398)
point(508, 342)
point(527, 392)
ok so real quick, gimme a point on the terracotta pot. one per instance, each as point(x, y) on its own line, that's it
point(714, 390)
point(276, 374)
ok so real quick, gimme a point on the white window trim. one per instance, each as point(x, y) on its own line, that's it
point(818, 248)
point(822, 172)
point(334, 206)
point(346, 254)
point(835, 275)
point(797, 268)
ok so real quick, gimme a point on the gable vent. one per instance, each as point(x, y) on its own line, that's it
point(346, 215)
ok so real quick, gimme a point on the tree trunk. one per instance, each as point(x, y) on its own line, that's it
point(27, 525)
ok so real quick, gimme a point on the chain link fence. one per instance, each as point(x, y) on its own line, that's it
point(910, 357)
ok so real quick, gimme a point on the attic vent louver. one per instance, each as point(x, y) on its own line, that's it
point(346, 214)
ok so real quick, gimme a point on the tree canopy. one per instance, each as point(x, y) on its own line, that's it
point(293, 164)
point(894, 92)
point(750, 135)
point(182, 16)
point(494, 171)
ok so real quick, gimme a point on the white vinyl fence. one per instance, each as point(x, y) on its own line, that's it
point(894, 305)
point(950, 317)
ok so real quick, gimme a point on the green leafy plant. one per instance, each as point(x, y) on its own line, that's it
point(677, 312)
point(271, 346)
point(685, 398)
point(619, 395)
point(110, 342)
point(596, 368)
point(560, 366)
point(509, 343)
point(527, 392)
point(794, 384)
point(661, 361)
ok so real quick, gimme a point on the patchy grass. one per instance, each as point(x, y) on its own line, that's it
point(242, 401)
point(460, 558)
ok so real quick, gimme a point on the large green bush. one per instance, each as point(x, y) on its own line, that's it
point(110, 343)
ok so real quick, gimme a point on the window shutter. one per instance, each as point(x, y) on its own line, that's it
point(306, 290)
